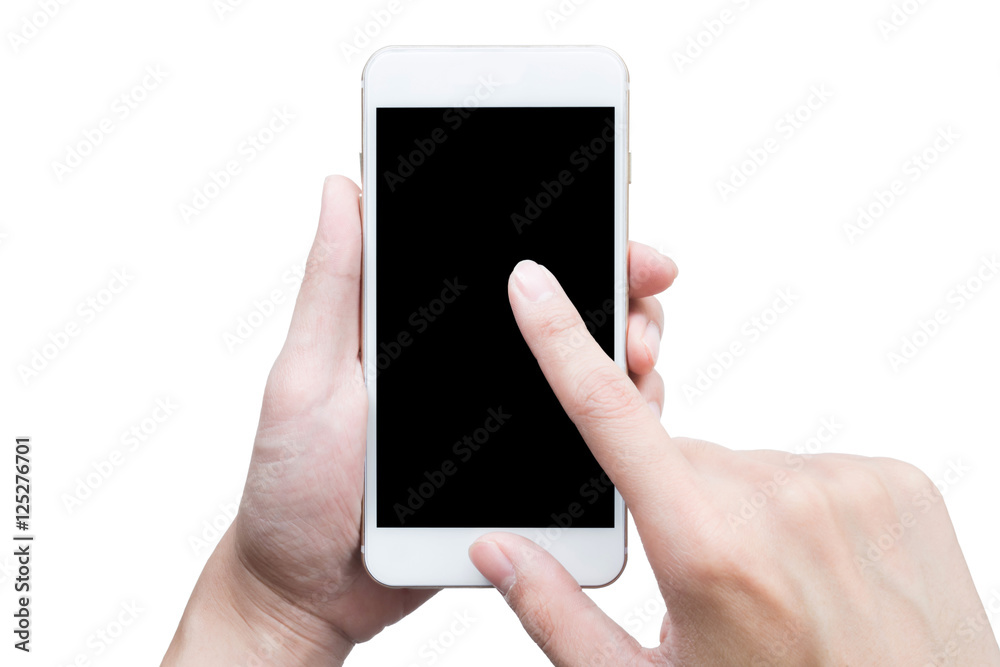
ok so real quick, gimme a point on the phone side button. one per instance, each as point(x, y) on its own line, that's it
point(630, 167)
point(361, 165)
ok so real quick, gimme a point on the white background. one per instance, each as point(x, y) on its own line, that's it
point(163, 336)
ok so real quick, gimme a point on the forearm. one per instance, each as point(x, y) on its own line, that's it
point(234, 619)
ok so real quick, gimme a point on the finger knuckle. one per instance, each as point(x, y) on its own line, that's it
point(284, 398)
point(855, 482)
point(691, 447)
point(604, 392)
point(804, 502)
point(905, 477)
point(565, 328)
point(291, 391)
point(539, 623)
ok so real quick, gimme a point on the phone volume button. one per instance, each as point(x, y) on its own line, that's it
point(630, 167)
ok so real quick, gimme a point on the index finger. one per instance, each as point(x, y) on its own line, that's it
point(625, 436)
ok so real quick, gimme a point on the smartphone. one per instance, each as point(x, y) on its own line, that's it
point(474, 158)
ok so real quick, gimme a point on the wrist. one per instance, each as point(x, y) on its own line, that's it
point(233, 618)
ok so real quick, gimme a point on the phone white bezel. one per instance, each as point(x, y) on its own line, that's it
point(447, 76)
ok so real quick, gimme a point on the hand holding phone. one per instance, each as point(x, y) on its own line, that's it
point(287, 578)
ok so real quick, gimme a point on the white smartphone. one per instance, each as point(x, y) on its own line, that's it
point(474, 158)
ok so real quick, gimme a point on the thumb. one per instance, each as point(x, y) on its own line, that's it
point(555, 612)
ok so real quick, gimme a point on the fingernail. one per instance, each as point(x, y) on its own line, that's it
point(651, 338)
point(533, 281)
point(493, 565)
point(655, 407)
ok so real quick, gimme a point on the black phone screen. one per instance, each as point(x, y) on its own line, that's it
point(469, 434)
